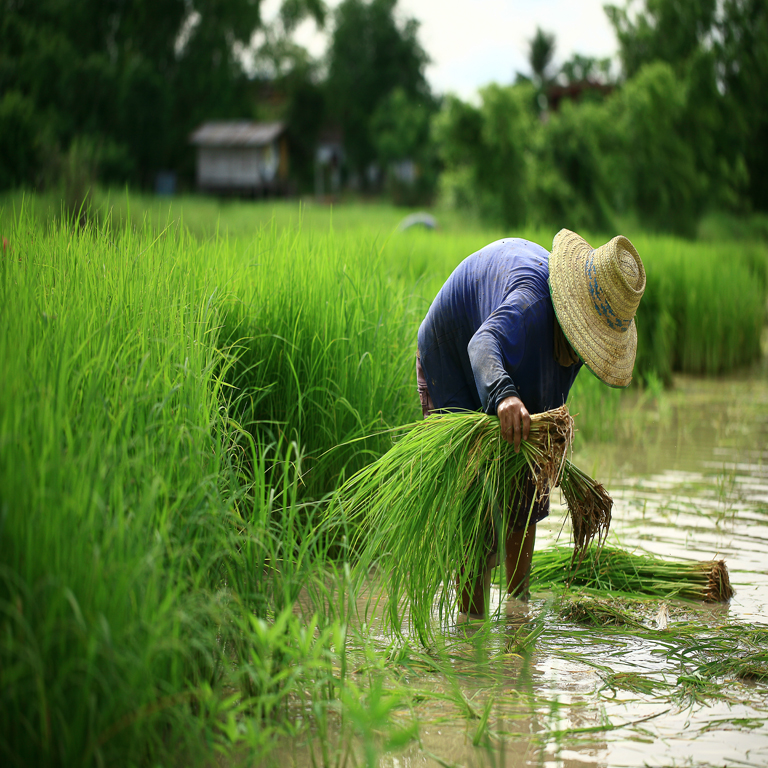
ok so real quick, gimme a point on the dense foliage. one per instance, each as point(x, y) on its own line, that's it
point(114, 89)
point(133, 77)
point(371, 57)
point(682, 131)
point(131, 80)
point(629, 154)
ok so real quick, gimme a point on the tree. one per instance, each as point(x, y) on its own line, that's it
point(18, 139)
point(486, 153)
point(742, 53)
point(573, 151)
point(662, 30)
point(136, 73)
point(400, 127)
point(591, 160)
point(541, 52)
point(657, 173)
point(371, 55)
point(400, 130)
point(685, 35)
point(287, 73)
point(579, 69)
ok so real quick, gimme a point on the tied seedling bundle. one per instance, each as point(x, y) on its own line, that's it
point(431, 510)
point(619, 572)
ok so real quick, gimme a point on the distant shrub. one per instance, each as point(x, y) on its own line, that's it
point(19, 140)
point(77, 176)
point(486, 152)
point(628, 155)
point(573, 184)
point(656, 165)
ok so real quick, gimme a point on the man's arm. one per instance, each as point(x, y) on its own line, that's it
point(496, 348)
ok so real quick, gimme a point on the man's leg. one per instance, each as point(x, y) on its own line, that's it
point(519, 554)
point(472, 600)
point(527, 510)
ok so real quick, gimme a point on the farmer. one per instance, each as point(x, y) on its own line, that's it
point(507, 334)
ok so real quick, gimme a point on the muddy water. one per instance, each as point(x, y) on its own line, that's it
point(692, 482)
point(689, 478)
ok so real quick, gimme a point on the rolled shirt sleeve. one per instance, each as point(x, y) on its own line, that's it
point(497, 349)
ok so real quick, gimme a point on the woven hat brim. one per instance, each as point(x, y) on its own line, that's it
point(608, 353)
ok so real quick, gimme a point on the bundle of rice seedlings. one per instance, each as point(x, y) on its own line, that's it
point(589, 506)
point(617, 571)
point(425, 509)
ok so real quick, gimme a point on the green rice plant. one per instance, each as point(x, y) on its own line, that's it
point(703, 308)
point(633, 682)
point(595, 409)
point(109, 484)
point(148, 567)
point(737, 650)
point(599, 612)
point(322, 346)
point(623, 573)
point(432, 505)
point(702, 311)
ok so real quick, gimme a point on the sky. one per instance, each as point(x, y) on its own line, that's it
point(474, 42)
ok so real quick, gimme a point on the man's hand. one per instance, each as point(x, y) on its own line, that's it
point(515, 421)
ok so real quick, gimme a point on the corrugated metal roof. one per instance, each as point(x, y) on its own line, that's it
point(237, 133)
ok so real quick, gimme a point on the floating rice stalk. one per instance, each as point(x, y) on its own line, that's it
point(618, 571)
point(753, 666)
point(424, 510)
point(599, 613)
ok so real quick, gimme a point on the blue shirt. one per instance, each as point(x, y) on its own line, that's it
point(489, 333)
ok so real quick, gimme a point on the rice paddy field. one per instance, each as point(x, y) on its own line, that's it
point(184, 387)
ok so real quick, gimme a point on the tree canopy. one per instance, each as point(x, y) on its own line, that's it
point(135, 75)
point(370, 56)
point(719, 50)
point(123, 83)
point(541, 52)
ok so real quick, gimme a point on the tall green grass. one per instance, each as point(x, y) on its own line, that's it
point(323, 345)
point(704, 306)
point(147, 571)
point(703, 309)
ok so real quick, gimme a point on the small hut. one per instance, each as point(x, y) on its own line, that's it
point(241, 157)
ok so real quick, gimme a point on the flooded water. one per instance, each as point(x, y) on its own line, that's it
point(696, 486)
point(690, 482)
point(689, 478)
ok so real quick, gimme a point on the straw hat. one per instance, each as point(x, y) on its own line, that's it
point(595, 293)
